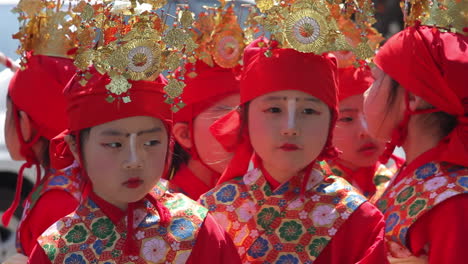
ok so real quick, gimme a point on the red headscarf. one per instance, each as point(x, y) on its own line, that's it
point(284, 69)
point(37, 91)
point(210, 84)
point(87, 107)
point(353, 81)
point(434, 66)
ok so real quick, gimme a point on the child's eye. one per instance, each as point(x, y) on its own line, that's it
point(152, 142)
point(273, 110)
point(310, 111)
point(113, 145)
point(346, 119)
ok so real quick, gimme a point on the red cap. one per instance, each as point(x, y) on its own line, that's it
point(284, 69)
point(87, 106)
point(209, 85)
point(434, 66)
point(353, 81)
point(37, 90)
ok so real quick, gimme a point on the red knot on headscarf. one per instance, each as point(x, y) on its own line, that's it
point(434, 66)
point(37, 91)
point(210, 84)
point(284, 69)
point(87, 107)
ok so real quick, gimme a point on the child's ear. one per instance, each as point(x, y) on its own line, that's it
point(71, 141)
point(26, 126)
point(181, 132)
point(417, 103)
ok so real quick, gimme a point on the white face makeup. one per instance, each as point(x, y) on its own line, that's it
point(291, 112)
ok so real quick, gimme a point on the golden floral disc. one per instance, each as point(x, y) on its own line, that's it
point(143, 58)
point(305, 30)
point(227, 49)
point(265, 5)
point(118, 85)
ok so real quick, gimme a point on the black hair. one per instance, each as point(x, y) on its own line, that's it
point(180, 157)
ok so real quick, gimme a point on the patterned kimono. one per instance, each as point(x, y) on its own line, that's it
point(369, 181)
point(88, 235)
point(55, 197)
point(426, 212)
point(283, 225)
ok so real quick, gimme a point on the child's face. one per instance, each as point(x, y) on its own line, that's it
point(208, 148)
point(125, 158)
point(351, 135)
point(288, 129)
point(11, 135)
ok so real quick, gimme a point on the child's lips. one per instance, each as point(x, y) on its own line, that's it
point(368, 149)
point(133, 183)
point(289, 147)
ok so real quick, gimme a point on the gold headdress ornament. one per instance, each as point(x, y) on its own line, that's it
point(46, 28)
point(129, 41)
point(219, 37)
point(313, 25)
point(451, 15)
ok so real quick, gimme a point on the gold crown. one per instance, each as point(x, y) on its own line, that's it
point(313, 25)
point(130, 41)
point(451, 15)
point(218, 36)
point(46, 28)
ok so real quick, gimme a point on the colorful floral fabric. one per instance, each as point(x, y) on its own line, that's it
point(67, 180)
point(89, 236)
point(282, 225)
point(414, 195)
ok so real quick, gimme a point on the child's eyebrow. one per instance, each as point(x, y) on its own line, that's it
point(113, 132)
point(274, 98)
point(344, 110)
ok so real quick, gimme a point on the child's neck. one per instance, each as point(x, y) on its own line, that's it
point(280, 175)
point(203, 173)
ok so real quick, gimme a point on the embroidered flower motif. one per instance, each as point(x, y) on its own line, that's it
point(332, 231)
point(226, 194)
point(451, 185)
point(221, 219)
point(324, 215)
point(405, 194)
point(445, 195)
point(435, 183)
point(290, 231)
point(235, 225)
point(267, 216)
point(102, 228)
point(303, 214)
point(182, 228)
point(68, 222)
point(463, 181)
point(138, 216)
point(77, 235)
point(175, 246)
point(317, 246)
point(416, 207)
point(98, 246)
point(75, 259)
point(230, 208)
point(408, 181)
point(316, 198)
point(241, 250)
point(140, 235)
point(50, 250)
point(432, 195)
point(154, 250)
point(258, 248)
point(345, 215)
point(287, 259)
point(392, 194)
point(391, 221)
point(278, 246)
point(251, 176)
point(59, 180)
point(240, 236)
point(426, 170)
point(246, 211)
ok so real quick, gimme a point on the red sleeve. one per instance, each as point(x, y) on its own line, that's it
point(444, 230)
point(359, 240)
point(38, 256)
point(50, 207)
point(213, 245)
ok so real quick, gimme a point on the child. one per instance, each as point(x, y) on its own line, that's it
point(36, 114)
point(419, 102)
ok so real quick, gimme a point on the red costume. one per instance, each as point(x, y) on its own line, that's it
point(97, 230)
point(210, 84)
point(308, 218)
point(43, 79)
point(427, 203)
